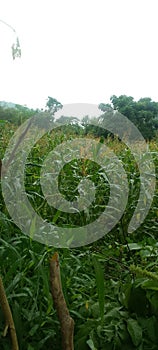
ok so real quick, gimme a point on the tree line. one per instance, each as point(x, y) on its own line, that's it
point(143, 113)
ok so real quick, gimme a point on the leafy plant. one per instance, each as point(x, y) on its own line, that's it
point(114, 306)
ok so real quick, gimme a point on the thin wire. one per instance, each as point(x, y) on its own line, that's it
point(8, 25)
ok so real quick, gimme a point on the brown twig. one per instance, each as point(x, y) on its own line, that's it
point(66, 322)
point(8, 317)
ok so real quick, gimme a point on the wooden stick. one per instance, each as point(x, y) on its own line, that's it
point(8, 317)
point(66, 322)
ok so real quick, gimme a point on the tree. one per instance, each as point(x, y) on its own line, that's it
point(104, 107)
point(121, 101)
point(53, 105)
point(143, 113)
point(16, 115)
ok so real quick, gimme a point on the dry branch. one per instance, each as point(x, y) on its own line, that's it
point(66, 322)
point(9, 323)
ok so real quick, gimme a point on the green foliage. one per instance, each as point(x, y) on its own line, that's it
point(16, 49)
point(109, 286)
point(53, 105)
point(135, 331)
point(16, 115)
point(143, 113)
point(100, 286)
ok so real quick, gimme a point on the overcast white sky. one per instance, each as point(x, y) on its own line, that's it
point(79, 50)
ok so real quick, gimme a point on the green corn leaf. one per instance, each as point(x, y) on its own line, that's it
point(135, 331)
point(99, 274)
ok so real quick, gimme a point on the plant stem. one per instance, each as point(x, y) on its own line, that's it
point(8, 317)
point(66, 322)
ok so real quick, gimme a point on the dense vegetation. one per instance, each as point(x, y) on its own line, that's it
point(110, 286)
